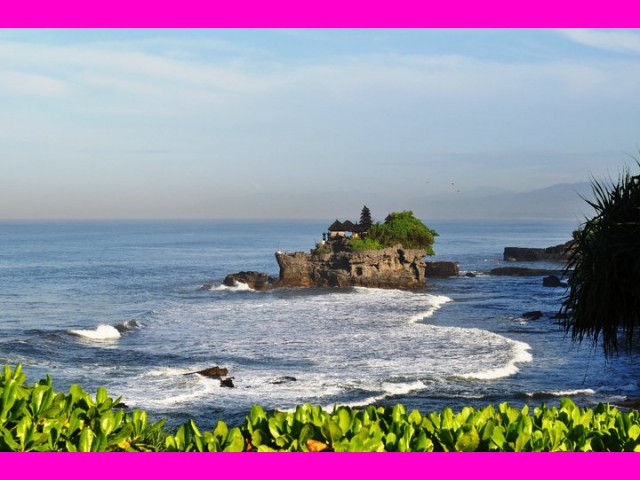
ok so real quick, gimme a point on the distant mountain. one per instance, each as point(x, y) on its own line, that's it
point(556, 202)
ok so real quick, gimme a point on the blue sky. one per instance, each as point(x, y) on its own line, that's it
point(255, 123)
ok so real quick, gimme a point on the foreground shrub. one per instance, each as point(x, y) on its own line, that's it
point(38, 419)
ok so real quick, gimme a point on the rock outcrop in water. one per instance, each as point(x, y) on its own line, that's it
point(442, 269)
point(254, 280)
point(393, 267)
point(558, 253)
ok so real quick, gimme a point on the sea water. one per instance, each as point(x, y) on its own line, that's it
point(138, 306)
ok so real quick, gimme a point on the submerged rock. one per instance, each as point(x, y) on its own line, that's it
point(227, 382)
point(533, 315)
point(553, 281)
point(285, 379)
point(213, 372)
point(254, 280)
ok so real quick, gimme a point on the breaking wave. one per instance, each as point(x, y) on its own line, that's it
point(520, 354)
point(100, 333)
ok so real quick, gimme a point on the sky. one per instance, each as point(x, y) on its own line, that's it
point(263, 123)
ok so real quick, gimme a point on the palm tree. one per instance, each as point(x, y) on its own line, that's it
point(603, 269)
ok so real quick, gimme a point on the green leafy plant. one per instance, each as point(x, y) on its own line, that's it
point(603, 269)
point(39, 419)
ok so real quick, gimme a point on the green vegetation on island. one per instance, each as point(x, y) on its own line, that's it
point(398, 228)
point(36, 418)
point(404, 228)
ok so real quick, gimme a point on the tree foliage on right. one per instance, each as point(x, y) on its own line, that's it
point(603, 300)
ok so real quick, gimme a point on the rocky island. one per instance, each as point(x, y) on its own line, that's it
point(384, 255)
point(392, 267)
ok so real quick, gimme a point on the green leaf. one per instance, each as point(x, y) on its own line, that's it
point(399, 412)
point(634, 432)
point(139, 421)
point(415, 418)
point(221, 431)
point(107, 423)
point(86, 439)
point(391, 442)
point(468, 442)
point(522, 442)
point(306, 433)
point(23, 431)
point(446, 418)
point(235, 441)
point(497, 437)
point(9, 395)
point(10, 442)
point(17, 374)
point(256, 438)
point(331, 431)
point(101, 396)
point(344, 419)
point(256, 415)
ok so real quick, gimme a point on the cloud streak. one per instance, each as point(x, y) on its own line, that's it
point(616, 41)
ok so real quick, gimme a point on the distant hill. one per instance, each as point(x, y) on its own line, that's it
point(557, 202)
point(561, 201)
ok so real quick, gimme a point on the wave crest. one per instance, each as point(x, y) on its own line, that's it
point(100, 333)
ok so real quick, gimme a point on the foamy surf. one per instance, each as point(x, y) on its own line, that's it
point(564, 393)
point(238, 287)
point(99, 334)
point(521, 354)
point(435, 303)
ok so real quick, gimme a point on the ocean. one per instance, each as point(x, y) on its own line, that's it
point(121, 304)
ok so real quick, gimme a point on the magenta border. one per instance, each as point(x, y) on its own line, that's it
point(319, 14)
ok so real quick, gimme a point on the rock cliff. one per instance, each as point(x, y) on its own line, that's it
point(393, 267)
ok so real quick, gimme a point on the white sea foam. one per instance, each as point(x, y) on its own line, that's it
point(238, 287)
point(100, 333)
point(402, 388)
point(565, 393)
point(435, 301)
point(520, 354)
point(166, 372)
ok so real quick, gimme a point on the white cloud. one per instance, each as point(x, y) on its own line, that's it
point(31, 84)
point(234, 121)
point(614, 40)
